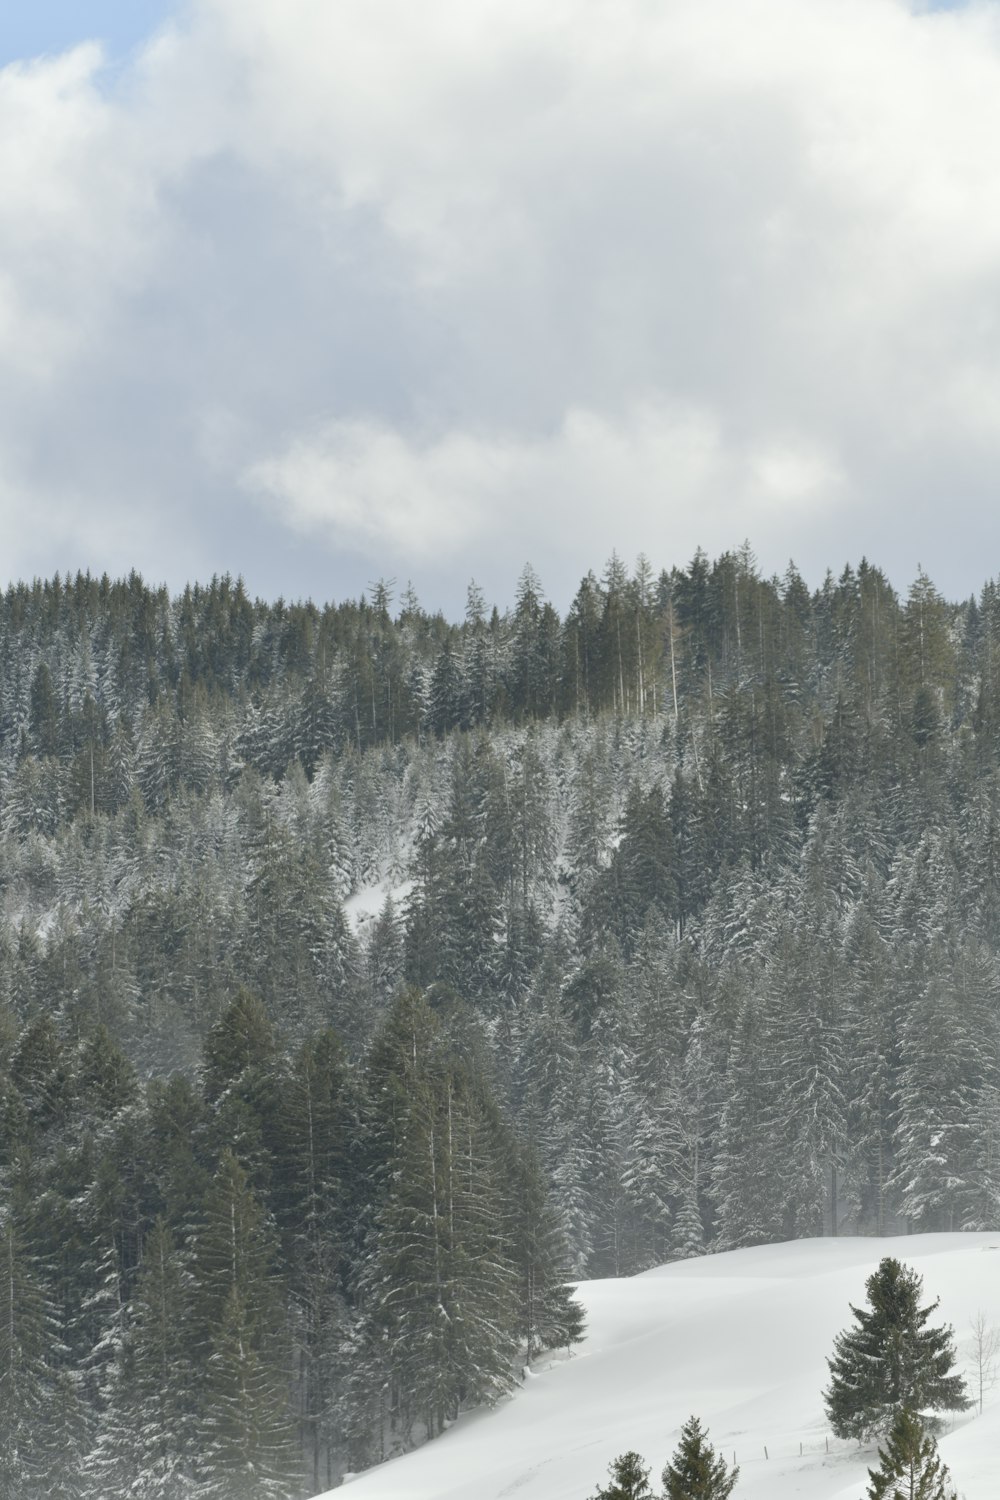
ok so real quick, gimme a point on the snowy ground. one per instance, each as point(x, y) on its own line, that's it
point(365, 905)
point(740, 1340)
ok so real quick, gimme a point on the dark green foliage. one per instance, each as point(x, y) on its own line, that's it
point(909, 1466)
point(696, 1471)
point(700, 889)
point(550, 1317)
point(891, 1359)
point(441, 1287)
point(246, 1437)
point(629, 1480)
point(235, 1251)
point(25, 1377)
point(153, 1405)
point(745, 1184)
point(239, 1046)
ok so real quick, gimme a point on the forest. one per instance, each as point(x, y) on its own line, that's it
point(366, 977)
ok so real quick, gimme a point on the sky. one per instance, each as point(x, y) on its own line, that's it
point(322, 293)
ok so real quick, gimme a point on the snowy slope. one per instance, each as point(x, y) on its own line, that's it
point(740, 1340)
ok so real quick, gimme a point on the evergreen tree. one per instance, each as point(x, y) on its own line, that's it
point(246, 1446)
point(891, 1359)
point(629, 1480)
point(315, 1199)
point(146, 1438)
point(235, 1249)
point(244, 1422)
point(909, 1467)
point(744, 1182)
point(550, 1317)
point(25, 1378)
point(696, 1472)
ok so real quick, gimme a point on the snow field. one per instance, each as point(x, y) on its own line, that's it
point(740, 1340)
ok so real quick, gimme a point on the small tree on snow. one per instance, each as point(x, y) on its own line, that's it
point(891, 1359)
point(696, 1472)
point(909, 1467)
point(629, 1480)
point(984, 1346)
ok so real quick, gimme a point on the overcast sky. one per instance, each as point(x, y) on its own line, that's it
point(323, 290)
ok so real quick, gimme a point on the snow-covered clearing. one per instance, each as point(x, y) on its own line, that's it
point(739, 1339)
point(363, 906)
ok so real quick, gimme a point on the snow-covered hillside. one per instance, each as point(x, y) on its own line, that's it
point(739, 1339)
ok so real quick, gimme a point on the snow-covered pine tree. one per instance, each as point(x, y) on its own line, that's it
point(745, 1183)
point(157, 1395)
point(145, 1439)
point(805, 984)
point(891, 1359)
point(25, 1376)
point(551, 1318)
point(316, 1207)
point(936, 1099)
point(872, 1066)
point(243, 1375)
point(246, 1438)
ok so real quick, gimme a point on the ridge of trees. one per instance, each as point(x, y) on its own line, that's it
point(703, 877)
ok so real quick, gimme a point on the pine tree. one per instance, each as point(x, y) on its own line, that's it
point(235, 1249)
point(314, 1198)
point(441, 1285)
point(629, 1480)
point(891, 1359)
point(43, 1420)
point(244, 1423)
point(551, 1318)
point(481, 1278)
point(695, 1472)
point(804, 981)
point(405, 1282)
point(246, 1449)
point(872, 1066)
point(24, 1375)
point(909, 1465)
point(936, 1101)
point(744, 1181)
point(147, 1431)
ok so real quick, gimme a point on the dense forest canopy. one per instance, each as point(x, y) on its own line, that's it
point(446, 959)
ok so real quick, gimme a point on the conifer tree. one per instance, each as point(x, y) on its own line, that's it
point(909, 1466)
point(551, 1318)
point(235, 1249)
point(244, 1423)
point(629, 1479)
point(24, 1375)
point(246, 1448)
point(405, 1291)
point(147, 1431)
point(891, 1359)
point(744, 1182)
point(314, 1198)
point(696, 1472)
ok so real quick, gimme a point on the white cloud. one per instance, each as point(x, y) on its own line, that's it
point(74, 210)
point(630, 481)
point(311, 283)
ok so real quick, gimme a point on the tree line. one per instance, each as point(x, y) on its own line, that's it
point(241, 1282)
point(702, 877)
